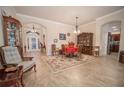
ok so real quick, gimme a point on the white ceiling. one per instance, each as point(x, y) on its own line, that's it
point(67, 14)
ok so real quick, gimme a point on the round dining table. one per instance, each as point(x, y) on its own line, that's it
point(71, 50)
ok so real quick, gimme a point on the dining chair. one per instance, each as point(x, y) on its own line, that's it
point(96, 50)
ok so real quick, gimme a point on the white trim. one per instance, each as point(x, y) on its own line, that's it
point(99, 18)
point(110, 14)
point(42, 19)
point(92, 22)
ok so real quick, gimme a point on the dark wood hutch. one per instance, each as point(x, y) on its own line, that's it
point(86, 41)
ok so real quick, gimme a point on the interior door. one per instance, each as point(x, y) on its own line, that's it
point(109, 43)
point(32, 43)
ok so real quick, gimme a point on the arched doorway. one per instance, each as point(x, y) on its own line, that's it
point(110, 38)
point(32, 42)
point(34, 35)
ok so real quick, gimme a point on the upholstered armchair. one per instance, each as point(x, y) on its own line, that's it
point(11, 56)
point(10, 75)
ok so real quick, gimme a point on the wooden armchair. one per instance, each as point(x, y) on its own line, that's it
point(10, 75)
point(63, 49)
point(53, 46)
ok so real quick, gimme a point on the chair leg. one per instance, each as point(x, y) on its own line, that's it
point(20, 72)
point(18, 84)
point(21, 81)
point(35, 68)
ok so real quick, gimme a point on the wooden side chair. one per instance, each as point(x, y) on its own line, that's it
point(96, 50)
point(55, 50)
point(63, 49)
point(53, 47)
point(80, 47)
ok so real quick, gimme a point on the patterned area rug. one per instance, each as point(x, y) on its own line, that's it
point(59, 63)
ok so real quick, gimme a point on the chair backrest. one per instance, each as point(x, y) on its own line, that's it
point(63, 47)
point(53, 47)
point(96, 48)
point(80, 47)
point(11, 55)
point(71, 44)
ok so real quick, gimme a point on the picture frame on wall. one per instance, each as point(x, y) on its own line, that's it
point(62, 36)
point(55, 41)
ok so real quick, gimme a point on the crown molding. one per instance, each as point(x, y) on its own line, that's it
point(92, 22)
point(110, 14)
point(42, 19)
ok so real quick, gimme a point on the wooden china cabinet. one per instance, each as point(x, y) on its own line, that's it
point(86, 41)
point(12, 32)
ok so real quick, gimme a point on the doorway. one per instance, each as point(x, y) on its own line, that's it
point(33, 43)
point(110, 37)
point(113, 43)
point(35, 37)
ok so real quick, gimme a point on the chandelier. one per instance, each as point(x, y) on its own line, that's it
point(34, 29)
point(76, 31)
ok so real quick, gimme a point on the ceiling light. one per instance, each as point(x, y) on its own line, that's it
point(76, 31)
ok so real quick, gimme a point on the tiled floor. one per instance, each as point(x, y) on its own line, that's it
point(104, 71)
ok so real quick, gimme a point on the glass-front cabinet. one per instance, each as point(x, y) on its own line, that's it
point(12, 31)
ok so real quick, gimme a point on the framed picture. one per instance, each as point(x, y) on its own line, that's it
point(55, 41)
point(62, 36)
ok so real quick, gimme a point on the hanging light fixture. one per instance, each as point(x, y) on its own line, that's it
point(76, 31)
point(34, 29)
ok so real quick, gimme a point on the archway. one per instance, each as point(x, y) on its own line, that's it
point(32, 42)
point(33, 36)
point(110, 38)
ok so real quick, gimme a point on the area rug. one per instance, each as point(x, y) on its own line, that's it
point(59, 63)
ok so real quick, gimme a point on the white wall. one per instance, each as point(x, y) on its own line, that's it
point(91, 28)
point(10, 11)
point(52, 30)
point(116, 16)
point(104, 34)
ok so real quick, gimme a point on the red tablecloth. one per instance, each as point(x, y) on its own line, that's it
point(71, 49)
